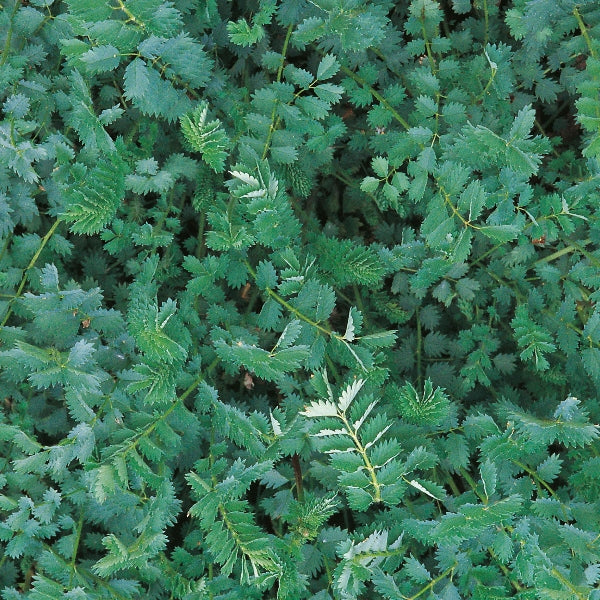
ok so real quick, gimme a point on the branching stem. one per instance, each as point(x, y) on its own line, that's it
point(8, 40)
point(30, 266)
point(273, 126)
point(363, 454)
point(433, 582)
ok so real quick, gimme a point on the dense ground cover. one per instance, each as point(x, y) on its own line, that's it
point(298, 299)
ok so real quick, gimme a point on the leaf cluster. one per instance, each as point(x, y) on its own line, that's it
point(299, 299)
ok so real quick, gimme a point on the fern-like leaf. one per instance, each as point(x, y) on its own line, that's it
point(429, 408)
point(207, 137)
point(94, 196)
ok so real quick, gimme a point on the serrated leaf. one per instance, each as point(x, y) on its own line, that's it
point(349, 334)
point(320, 408)
point(101, 59)
point(500, 233)
point(472, 200)
point(369, 185)
point(207, 137)
point(289, 335)
point(415, 570)
point(381, 339)
point(549, 469)
point(422, 489)
point(266, 276)
point(92, 202)
point(489, 476)
point(522, 124)
point(136, 80)
point(380, 165)
point(328, 67)
point(349, 394)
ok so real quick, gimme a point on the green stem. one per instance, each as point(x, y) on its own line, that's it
point(377, 96)
point(452, 484)
point(332, 367)
point(584, 33)
point(200, 247)
point(150, 428)
point(352, 183)
point(428, 48)
point(473, 484)
point(543, 484)
point(505, 570)
point(6, 243)
point(291, 309)
point(593, 259)
point(30, 266)
point(9, 33)
point(72, 566)
point(488, 84)
point(454, 210)
point(210, 578)
point(161, 222)
point(273, 126)
point(363, 454)
point(558, 575)
point(298, 477)
point(130, 16)
point(328, 572)
point(288, 35)
point(561, 252)
point(384, 58)
point(433, 582)
point(486, 19)
point(114, 593)
point(418, 350)
point(359, 304)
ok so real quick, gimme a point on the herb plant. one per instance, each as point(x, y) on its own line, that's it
point(299, 299)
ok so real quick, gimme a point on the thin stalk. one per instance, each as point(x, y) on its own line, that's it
point(6, 243)
point(298, 477)
point(359, 303)
point(593, 259)
point(72, 566)
point(472, 483)
point(383, 57)
point(30, 266)
point(561, 252)
point(488, 85)
point(451, 484)
point(377, 96)
point(558, 575)
point(543, 484)
point(363, 454)
point(418, 351)
point(433, 582)
point(584, 33)
point(428, 48)
point(486, 19)
point(328, 572)
point(292, 309)
point(114, 593)
point(507, 573)
point(9, 33)
point(210, 578)
point(273, 126)
point(454, 210)
point(148, 430)
point(200, 247)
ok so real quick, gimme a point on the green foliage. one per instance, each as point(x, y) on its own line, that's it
point(207, 138)
point(299, 299)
